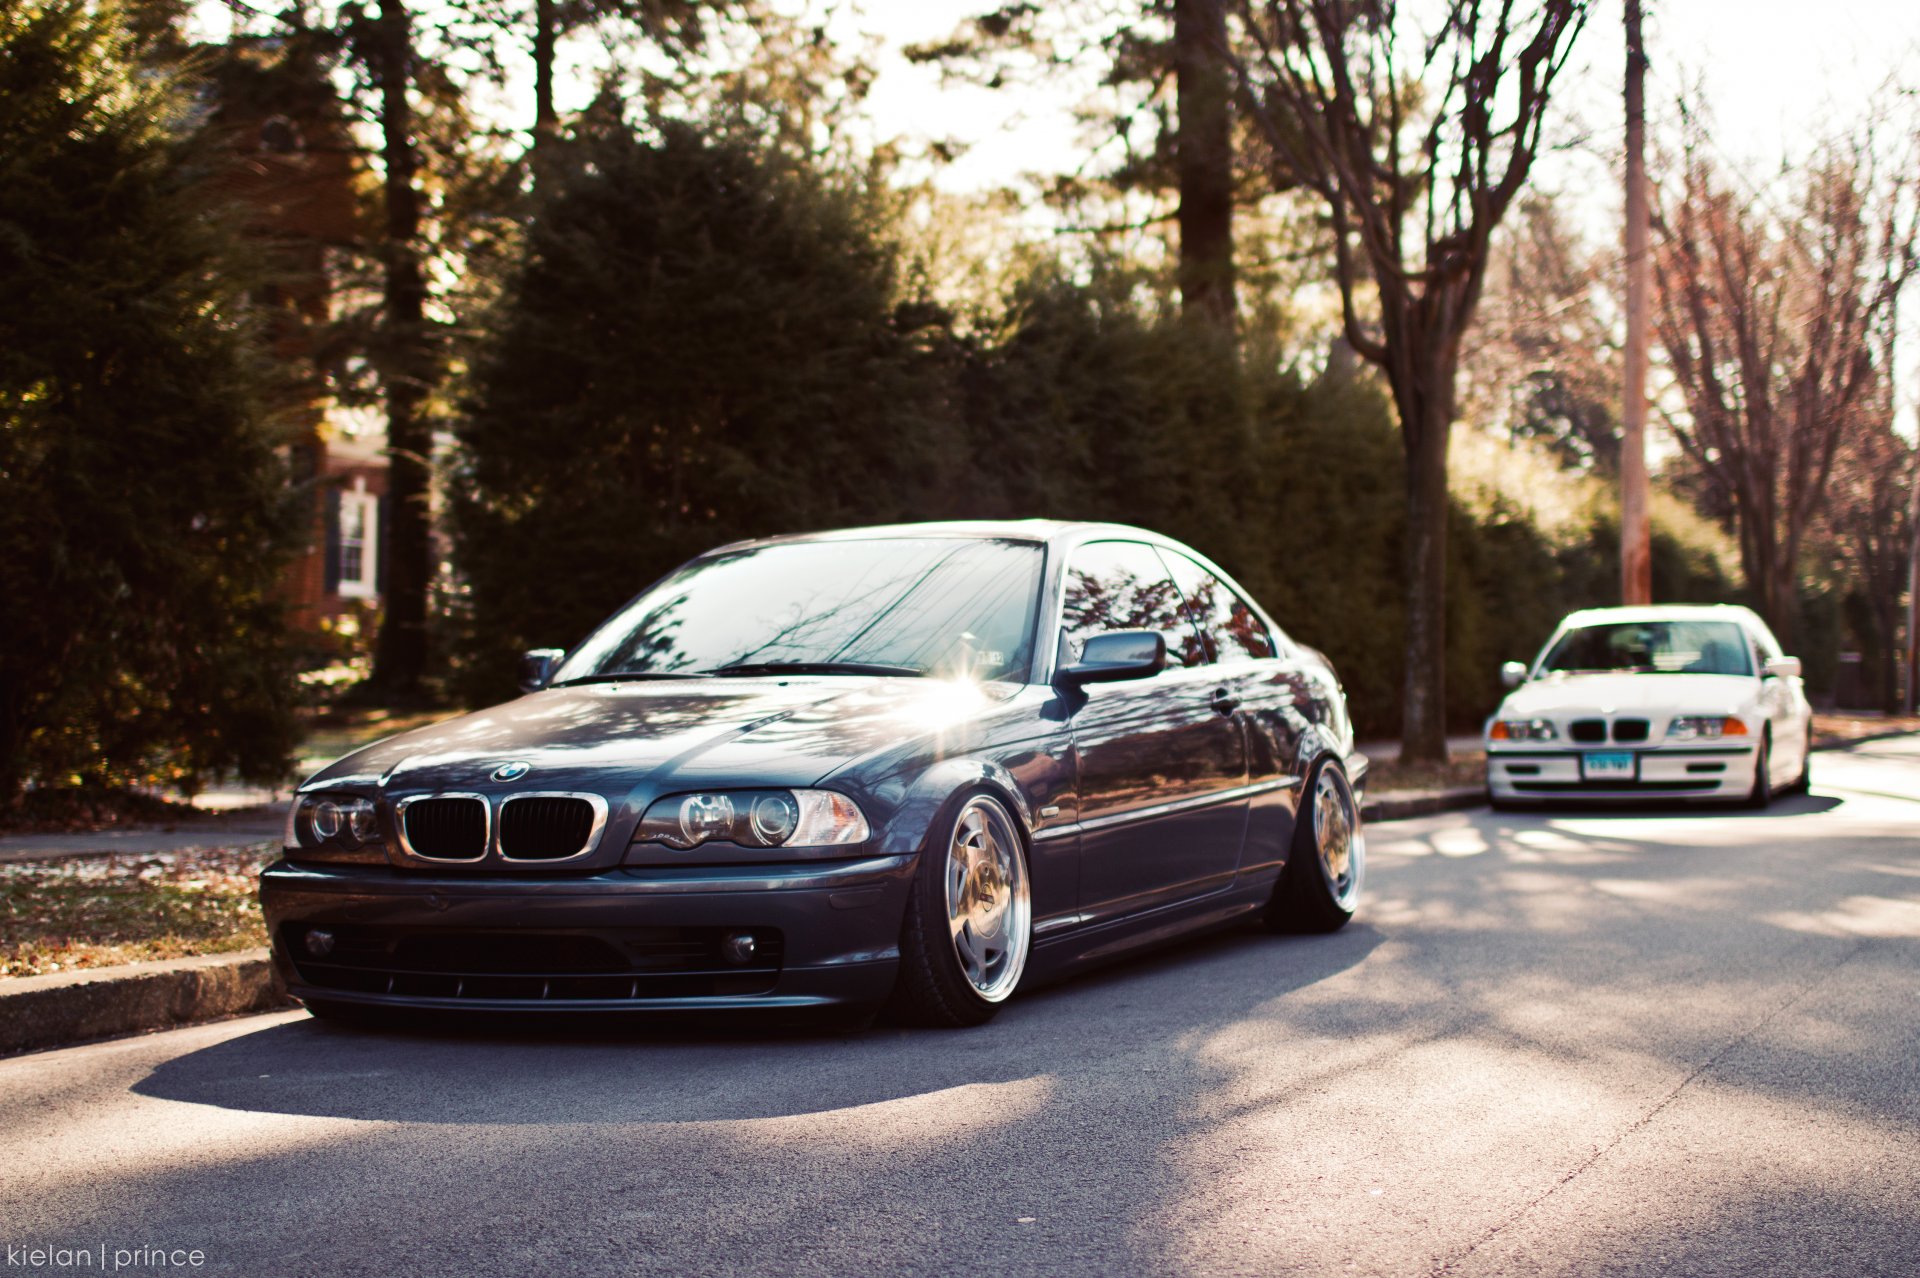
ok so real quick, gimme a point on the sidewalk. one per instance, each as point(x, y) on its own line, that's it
point(237, 827)
point(1387, 751)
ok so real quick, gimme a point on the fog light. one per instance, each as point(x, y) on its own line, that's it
point(319, 942)
point(738, 947)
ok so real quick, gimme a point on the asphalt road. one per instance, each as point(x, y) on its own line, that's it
point(1668, 1043)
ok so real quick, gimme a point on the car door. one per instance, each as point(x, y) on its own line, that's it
point(1161, 768)
point(1274, 698)
point(1781, 705)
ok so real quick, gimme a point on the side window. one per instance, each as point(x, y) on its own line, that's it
point(1231, 626)
point(1122, 585)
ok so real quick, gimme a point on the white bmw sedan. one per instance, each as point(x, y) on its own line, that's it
point(1672, 701)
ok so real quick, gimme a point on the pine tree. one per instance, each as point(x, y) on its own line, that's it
point(143, 515)
point(699, 345)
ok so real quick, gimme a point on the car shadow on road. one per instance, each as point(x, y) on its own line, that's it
point(515, 1072)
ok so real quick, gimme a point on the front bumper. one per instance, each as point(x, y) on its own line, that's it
point(633, 940)
point(1522, 774)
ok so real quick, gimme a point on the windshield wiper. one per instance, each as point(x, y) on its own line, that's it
point(812, 667)
point(626, 676)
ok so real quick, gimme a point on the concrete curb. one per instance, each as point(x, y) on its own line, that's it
point(1398, 805)
point(39, 1012)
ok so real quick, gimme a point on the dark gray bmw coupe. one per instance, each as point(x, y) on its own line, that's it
point(916, 766)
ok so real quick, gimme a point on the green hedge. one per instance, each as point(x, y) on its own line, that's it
point(703, 342)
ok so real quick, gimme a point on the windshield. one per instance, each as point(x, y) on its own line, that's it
point(1652, 647)
point(928, 605)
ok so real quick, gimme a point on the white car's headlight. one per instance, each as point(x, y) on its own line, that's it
point(1521, 730)
point(754, 819)
point(1698, 727)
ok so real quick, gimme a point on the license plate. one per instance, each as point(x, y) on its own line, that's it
point(1607, 767)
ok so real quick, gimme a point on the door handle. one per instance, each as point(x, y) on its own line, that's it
point(1224, 702)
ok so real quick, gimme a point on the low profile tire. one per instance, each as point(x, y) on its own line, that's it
point(969, 922)
point(1762, 793)
point(1803, 784)
point(1320, 887)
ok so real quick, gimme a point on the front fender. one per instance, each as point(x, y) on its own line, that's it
point(907, 831)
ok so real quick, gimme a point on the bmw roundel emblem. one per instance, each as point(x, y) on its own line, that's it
point(512, 771)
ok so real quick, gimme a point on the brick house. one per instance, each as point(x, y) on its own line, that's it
point(297, 172)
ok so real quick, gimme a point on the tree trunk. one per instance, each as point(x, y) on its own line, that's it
point(13, 772)
point(1426, 417)
point(546, 120)
point(1204, 149)
point(400, 658)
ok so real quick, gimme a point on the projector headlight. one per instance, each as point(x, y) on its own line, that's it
point(341, 822)
point(754, 819)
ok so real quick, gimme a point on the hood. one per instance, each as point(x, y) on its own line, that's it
point(787, 731)
point(1651, 694)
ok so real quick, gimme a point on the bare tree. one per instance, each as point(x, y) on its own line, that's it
point(1774, 325)
point(1869, 539)
point(1542, 360)
point(1417, 142)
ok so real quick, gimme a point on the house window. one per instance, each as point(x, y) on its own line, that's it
point(359, 545)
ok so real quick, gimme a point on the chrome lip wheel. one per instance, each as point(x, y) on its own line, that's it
point(1337, 837)
point(989, 905)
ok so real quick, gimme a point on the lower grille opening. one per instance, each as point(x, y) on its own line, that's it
point(1574, 787)
point(607, 965)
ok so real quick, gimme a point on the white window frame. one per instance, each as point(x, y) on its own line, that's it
point(359, 500)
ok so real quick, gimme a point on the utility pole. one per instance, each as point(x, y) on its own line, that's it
point(1913, 589)
point(1636, 538)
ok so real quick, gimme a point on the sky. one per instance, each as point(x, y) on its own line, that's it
point(1777, 77)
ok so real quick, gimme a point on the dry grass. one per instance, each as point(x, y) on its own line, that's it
point(85, 912)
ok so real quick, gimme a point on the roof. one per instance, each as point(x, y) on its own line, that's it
point(1661, 612)
point(1035, 530)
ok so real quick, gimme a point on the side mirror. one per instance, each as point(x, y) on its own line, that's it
point(537, 667)
point(1513, 674)
point(1783, 668)
point(1116, 655)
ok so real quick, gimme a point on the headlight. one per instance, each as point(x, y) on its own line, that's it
point(754, 819)
point(1521, 730)
point(340, 821)
point(1697, 727)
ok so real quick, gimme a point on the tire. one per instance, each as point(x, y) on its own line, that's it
point(1762, 793)
point(969, 925)
point(1320, 887)
point(1803, 783)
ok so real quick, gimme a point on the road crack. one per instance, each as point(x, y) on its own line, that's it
point(1659, 1107)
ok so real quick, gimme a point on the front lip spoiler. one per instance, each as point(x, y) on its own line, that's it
point(757, 1003)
